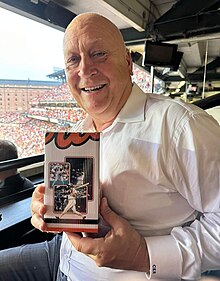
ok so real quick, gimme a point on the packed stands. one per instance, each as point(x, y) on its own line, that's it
point(27, 129)
point(52, 109)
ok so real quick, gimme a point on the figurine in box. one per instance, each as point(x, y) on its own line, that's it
point(72, 181)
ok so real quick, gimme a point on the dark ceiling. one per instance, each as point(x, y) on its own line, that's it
point(188, 23)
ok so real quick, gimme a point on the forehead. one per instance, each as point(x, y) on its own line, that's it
point(85, 38)
point(88, 34)
point(84, 41)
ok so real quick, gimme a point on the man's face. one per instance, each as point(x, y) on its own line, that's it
point(98, 68)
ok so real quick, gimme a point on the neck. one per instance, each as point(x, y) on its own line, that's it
point(104, 121)
point(100, 126)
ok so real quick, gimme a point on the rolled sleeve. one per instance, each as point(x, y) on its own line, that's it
point(165, 258)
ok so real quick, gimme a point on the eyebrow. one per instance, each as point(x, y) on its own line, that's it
point(98, 42)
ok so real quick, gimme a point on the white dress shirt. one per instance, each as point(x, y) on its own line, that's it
point(160, 170)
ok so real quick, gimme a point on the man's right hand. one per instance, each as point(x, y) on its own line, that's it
point(38, 209)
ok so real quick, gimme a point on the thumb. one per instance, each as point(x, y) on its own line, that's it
point(108, 215)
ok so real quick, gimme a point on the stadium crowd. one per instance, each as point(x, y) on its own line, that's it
point(27, 129)
point(59, 93)
point(29, 137)
point(68, 114)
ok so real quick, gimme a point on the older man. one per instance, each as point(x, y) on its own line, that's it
point(159, 174)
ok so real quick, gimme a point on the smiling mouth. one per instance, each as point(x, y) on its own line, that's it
point(93, 89)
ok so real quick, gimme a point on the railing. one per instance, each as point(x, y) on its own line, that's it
point(15, 226)
point(208, 102)
point(20, 162)
point(36, 178)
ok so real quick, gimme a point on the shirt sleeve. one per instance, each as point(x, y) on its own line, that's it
point(165, 258)
point(195, 161)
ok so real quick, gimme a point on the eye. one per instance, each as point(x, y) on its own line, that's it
point(99, 54)
point(72, 61)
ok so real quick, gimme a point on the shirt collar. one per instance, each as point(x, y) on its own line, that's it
point(87, 125)
point(132, 111)
point(134, 108)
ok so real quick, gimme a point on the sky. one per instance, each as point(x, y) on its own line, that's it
point(28, 49)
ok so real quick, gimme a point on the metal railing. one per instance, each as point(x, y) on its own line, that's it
point(20, 162)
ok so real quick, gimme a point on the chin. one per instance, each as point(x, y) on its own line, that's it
point(97, 108)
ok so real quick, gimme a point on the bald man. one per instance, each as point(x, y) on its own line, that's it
point(159, 176)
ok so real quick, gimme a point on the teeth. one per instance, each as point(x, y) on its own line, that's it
point(93, 88)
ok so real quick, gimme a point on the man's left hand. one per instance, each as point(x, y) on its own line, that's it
point(122, 247)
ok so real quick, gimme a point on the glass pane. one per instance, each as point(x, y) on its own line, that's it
point(31, 100)
point(34, 97)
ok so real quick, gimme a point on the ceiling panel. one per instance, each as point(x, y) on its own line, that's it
point(185, 22)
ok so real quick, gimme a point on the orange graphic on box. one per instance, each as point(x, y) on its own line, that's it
point(65, 140)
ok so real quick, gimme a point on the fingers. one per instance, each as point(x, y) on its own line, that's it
point(110, 216)
point(40, 188)
point(39, 191)
point(88, 246)
point(106, 212)
point(38, 208)
point(38, 222)
point(37, 203)
point(122, 247)
point(76, 241)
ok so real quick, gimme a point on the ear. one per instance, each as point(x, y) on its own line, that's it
point(129, 61)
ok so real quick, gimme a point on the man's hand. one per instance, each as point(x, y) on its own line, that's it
point(122, 247)
point(38, 209)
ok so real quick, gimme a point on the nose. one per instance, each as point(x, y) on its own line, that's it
point(87, 67)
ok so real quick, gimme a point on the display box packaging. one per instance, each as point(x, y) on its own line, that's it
point(72, 193)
